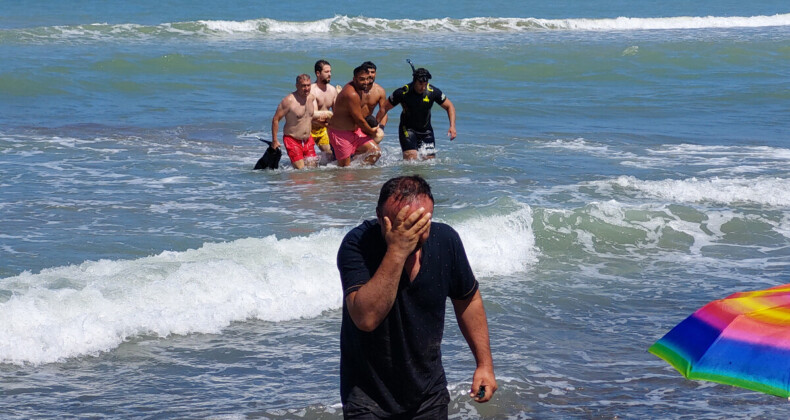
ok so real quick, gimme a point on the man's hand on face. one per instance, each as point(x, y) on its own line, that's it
point(403, 234)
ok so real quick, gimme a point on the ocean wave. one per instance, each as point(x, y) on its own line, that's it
point(95, 306)
point(764, 190)
point(347, 25)
point(713, 159)
point(658, 233)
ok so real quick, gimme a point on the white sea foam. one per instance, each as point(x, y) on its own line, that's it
point(310, 27)
point(721, 159)
point(230, 26)
point(654, 221)
point(588, 147)
point(771, 191)
point(681, 22)
point(353, 25)
point(93, 307)
point(499, 245)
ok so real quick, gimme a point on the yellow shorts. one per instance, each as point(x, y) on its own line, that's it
point(320, 136)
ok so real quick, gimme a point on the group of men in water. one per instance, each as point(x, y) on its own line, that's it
point(341, 121)
point(396, 271)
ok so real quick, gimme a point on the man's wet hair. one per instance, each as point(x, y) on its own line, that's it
point(303, 76)
point(403, 189)
point(421, 74)
point(360, 69)
point(368, 65)
point(319, 65)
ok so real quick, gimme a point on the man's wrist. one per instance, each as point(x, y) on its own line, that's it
point(486, 365)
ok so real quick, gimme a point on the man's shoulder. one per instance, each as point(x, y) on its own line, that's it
point(398, 94)
point(444, 230)
point(379, 91)
point(403, 89)
point(444, 236)
point(362, 231)
point(436, 94)
point(348, 92)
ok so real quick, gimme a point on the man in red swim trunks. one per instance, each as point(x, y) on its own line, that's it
point(349, 133)
point(298, 109)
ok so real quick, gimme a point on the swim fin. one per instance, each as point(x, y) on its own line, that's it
point(271, 158)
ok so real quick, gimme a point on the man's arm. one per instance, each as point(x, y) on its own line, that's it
point(450, 108)
point(278, 115)
point(382, 117)
point(371, 303)
point(389, 103)
point(320, 118)
point(471, 316)
point(355, 107)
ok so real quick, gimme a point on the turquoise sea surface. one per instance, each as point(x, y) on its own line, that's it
point(618, 165)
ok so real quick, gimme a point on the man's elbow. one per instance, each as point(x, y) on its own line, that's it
point(365, 323)
point(366, 319)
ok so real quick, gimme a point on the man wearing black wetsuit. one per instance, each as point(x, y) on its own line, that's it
point(415, 131)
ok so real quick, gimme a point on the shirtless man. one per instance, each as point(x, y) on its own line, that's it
point(375, 96)
point(325, 95)
point(297, 108)
point(349, 133)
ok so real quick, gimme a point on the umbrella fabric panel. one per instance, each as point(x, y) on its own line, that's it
point(681, 352)
point(732, 362)
point(758, 367)
point(742, 340)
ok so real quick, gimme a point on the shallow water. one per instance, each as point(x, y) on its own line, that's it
point(610, 177)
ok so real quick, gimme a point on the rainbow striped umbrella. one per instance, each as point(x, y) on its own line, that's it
point(742, 340)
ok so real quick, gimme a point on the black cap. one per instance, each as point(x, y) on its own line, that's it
point(421, 74)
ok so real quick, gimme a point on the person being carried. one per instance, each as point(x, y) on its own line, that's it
point(397, 272)
point(415, 131)
point(325, 95)
point(373, 97)
point(349, 133)
point(297, 108)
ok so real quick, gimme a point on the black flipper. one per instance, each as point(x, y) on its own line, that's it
point(271, 158)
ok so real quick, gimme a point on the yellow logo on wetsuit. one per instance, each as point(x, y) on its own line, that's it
point(429, 89)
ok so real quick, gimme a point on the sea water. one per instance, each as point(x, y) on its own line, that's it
point(618, 165)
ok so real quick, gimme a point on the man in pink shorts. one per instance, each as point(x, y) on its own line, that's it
point(298, 108)
point(349, 133)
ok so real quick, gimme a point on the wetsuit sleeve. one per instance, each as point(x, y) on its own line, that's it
point(437, 96)
point(397, 96)
point(463, 284)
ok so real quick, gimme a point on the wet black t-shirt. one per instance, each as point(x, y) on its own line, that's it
point(394, 367)
point(416, 114)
